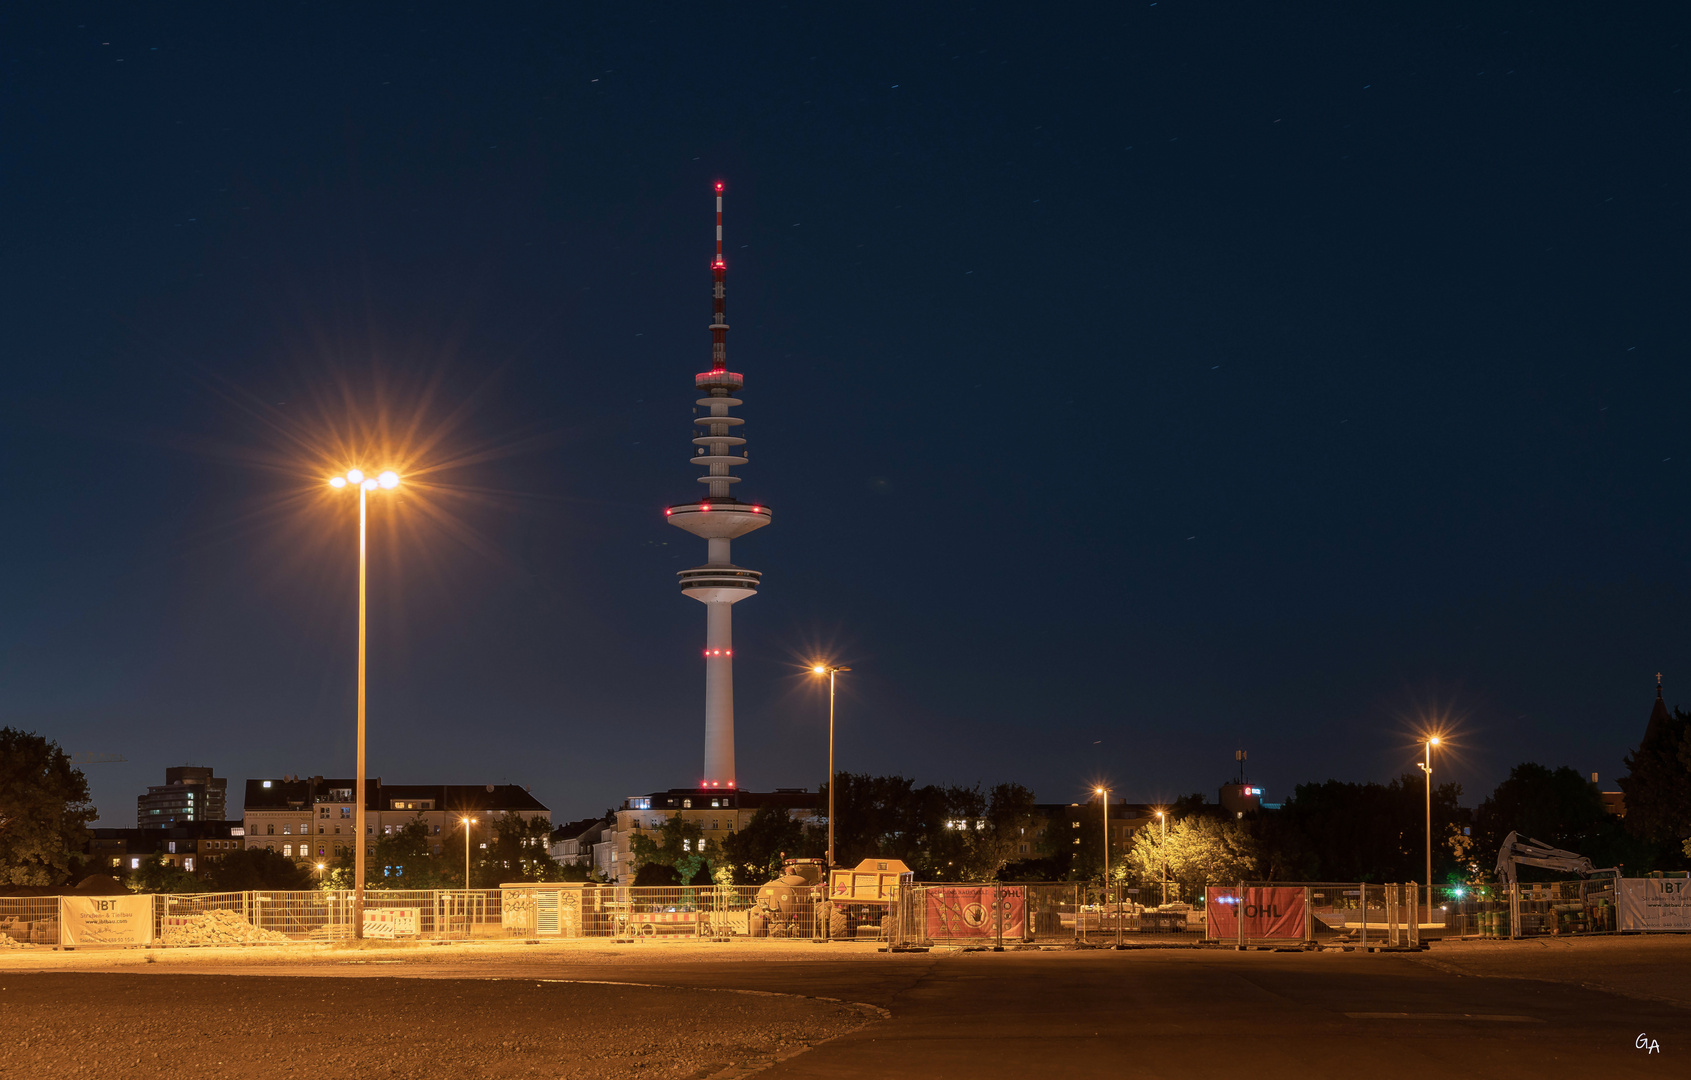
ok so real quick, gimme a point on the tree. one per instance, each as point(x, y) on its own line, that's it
point(1658, 781)
point(44, 810)
point(1010, 820)
point(753, 854)
point(519, 850)
point(653, 874)
point(678, 844)
point(157, 876)
point(255, 868)
point(1563, 809)
point(934, 830)
point(1340, 831)
point(1199, 851)
point(1558, 807)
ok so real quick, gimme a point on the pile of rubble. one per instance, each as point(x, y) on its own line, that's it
point(219, 927)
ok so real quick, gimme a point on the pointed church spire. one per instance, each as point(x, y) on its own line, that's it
point(1659, 718)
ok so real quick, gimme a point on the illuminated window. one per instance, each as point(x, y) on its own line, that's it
point(134, 864)
point(288, 850)
point(287, 830)
point(686, 804)
point(686, 845)
point(188, 864)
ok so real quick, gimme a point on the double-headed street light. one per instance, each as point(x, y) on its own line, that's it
point(386, 481)
point(830, 671)
point(466, 822)
point(1427, 767)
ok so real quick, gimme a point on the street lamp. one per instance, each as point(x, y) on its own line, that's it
point(830, 671)
point(1427, 767)
point(466, 822)
point(386, 481)
point(1104, 798)
point(1162, 849)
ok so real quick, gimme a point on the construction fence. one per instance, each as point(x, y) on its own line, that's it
point(1244, 915)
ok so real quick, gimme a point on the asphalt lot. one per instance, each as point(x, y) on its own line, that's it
point(1489, 1009)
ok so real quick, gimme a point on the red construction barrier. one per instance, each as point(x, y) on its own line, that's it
point(1274, 911)
point(969, 911)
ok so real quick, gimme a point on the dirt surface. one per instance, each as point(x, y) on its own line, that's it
point(133, 1025)
point(566, 1009)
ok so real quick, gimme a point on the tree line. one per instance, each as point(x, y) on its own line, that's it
point(1331, 831)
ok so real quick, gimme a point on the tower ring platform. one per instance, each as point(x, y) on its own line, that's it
point(718, 519)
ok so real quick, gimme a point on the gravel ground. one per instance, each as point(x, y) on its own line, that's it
point(72, 1024)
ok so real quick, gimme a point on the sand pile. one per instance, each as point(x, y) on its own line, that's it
point(219, 927)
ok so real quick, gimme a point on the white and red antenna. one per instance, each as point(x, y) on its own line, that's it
point(719, 297)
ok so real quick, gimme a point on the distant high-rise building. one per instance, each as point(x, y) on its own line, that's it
point(189, 793)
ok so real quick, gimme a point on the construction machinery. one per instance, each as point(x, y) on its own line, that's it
point(790, 905)
point(798, 904)
point(1525, 851)
point(864, 896)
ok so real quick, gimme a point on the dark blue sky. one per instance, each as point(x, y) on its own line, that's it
point(1131, 384)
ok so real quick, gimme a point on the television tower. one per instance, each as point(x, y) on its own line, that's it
point(718, 517)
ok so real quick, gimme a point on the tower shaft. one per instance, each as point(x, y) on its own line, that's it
point(719, 693)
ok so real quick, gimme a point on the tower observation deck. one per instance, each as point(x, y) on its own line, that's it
point(718, 518)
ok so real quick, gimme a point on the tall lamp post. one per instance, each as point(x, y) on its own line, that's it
point(1427, 767)
point(830, 671)
point(387, 481)
point(1104, 798)
point(1162, 850)
point(466, 822)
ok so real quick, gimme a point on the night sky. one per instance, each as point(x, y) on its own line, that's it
point(1131, 385)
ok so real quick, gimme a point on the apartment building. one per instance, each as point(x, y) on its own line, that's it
point(313, 818)
point(189, 793)
point(717, 812)
point(192, 846)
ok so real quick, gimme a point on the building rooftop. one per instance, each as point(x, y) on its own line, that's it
point(294, 793)
point(707, 798)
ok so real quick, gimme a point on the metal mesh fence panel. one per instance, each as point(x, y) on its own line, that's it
point(1052, 911)
point(29, 920)
point(305, 915)
point(1559, 907)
